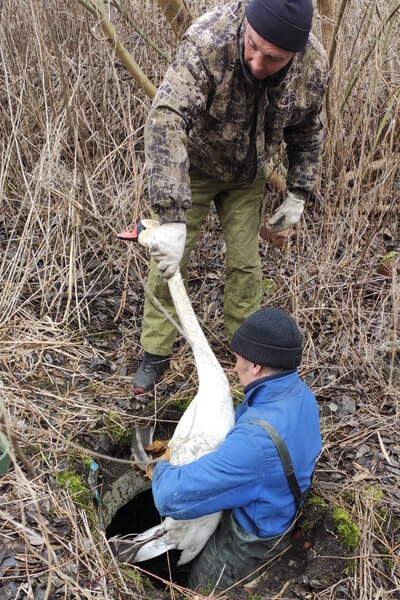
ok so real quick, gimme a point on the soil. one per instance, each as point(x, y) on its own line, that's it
point(313, 563)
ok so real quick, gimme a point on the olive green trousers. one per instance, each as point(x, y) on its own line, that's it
point(240, 208)
point(233, 554)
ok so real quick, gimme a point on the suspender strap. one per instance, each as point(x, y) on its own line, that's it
point(286, 461)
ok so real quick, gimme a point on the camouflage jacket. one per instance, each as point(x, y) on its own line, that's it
point(210, 112)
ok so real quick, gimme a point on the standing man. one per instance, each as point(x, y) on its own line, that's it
point(261, 472)
point(246, 77)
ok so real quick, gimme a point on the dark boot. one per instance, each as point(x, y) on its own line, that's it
point(150, 371)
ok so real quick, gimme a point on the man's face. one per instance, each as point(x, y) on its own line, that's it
point(244, 370)
point(262, 57)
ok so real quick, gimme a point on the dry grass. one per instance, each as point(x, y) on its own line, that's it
point(71, 176)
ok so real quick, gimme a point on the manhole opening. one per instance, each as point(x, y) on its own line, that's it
point(136, 516)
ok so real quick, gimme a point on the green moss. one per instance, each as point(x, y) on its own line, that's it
point(123, 436)
point(390, 257)
point(132, 575)
point(206, 590)
point(374, 493)
point(269, 285)
point(382, 512)
point(346, 529)
point(350, 569)
point(113, 417)
point(348, 497)
point(313, 513)
point(120, 434)
point(388, 563)
point(316, 501)
point(180, 404)
point(87, 460)
point(71, 481)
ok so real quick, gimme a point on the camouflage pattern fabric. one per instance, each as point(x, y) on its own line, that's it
point(210, 112)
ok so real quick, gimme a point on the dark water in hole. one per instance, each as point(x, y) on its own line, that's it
point(139, 515)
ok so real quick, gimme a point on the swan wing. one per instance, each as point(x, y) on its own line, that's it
point(197, 535)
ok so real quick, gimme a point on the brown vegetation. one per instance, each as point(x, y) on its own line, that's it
point(72, 176)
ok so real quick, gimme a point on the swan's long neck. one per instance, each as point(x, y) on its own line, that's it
point(204, 356)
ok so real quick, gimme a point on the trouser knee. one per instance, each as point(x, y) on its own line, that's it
point(241, 300)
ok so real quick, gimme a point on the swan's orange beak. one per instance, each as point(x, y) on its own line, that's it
point(133, 235)
point(130, 236)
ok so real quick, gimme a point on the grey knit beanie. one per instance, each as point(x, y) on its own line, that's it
point(285, 23)
point(269, 337)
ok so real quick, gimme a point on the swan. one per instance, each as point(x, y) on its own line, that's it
point(201, 429)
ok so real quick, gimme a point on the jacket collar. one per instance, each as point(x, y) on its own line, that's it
point(282, 380)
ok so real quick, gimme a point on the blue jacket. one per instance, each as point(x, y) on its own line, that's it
point(245, 473)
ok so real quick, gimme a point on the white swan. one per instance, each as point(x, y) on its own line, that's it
point(201, 429)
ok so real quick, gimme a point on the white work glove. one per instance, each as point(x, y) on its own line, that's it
point(289, 212)
point(166, 246)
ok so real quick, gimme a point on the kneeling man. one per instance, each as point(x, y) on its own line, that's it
point(260, 474)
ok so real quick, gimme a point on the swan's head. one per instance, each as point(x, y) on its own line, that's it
point(143, 231)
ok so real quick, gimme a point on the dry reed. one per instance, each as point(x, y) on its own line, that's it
point(72, 175)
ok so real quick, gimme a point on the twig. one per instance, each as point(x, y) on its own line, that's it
point(119, 48)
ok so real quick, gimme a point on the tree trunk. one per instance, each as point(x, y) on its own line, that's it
point(326, 9)
point(177, 14)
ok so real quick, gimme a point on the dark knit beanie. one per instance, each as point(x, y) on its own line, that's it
point(269, 337)
point(285, 23)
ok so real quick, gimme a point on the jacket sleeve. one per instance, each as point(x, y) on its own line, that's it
point(227, 478)
point(305, 142)
point(305, 137)
point(181, 97)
